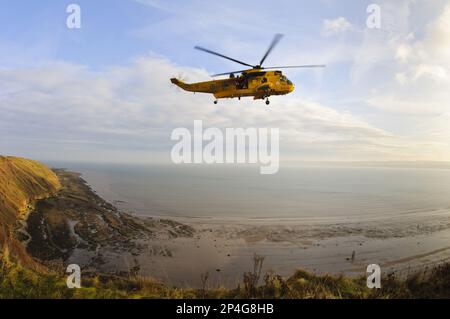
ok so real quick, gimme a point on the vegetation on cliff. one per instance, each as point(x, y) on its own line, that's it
point(22, 182)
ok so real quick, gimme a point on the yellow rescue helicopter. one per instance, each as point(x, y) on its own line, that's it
point(256, 82)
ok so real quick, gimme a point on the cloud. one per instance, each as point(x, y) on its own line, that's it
point(421, 66)
point(429, 57)
point(335, 26)
point(392, 104)
point(437, 42)
point(378, 46)
point(132, 109)
point(404, 52)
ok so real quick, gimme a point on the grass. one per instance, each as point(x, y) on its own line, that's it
point(17, 281)
point(22, 182)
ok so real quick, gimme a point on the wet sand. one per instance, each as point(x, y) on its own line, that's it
point(225, 249)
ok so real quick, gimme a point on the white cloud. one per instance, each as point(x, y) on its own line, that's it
point(404, 52)
point(401, 78)
point(404, 78)
point(430, 71)
point(437, 42)
point(392, 104)
point(428, 58)
point(335, 26)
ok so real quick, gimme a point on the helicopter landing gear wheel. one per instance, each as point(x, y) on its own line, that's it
point(215, 102)
point(267, 101)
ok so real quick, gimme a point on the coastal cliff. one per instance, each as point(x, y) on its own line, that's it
point(54, 215)
point(48, 217)
point(78, 226)
point(22, 183)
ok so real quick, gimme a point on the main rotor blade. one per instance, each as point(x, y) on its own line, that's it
point(296, 66)
point(222, 56)
point(277, 67)
point(275, 41)
point(227, 73)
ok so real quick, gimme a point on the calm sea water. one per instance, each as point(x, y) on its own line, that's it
point(241, 192)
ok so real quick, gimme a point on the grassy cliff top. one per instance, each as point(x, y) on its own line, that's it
point(22, 182)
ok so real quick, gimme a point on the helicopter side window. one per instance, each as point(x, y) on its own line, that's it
point(264, 80)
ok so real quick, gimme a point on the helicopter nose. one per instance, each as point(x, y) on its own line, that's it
point(291, 88)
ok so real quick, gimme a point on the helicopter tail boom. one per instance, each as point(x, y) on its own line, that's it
point(202, 87)
point(180, 84)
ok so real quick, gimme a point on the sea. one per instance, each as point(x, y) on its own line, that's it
point(242, 193)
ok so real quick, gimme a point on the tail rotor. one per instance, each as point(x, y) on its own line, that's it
point(181, 77)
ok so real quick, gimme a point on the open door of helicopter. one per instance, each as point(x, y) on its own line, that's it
point(241, 82)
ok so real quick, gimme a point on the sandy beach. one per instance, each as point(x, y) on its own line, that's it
point(225, 249)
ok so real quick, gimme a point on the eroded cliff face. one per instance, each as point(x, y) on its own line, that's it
point(48, 216)
point(22, 182)
point(78, 226)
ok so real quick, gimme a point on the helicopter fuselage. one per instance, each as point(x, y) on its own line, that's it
point(257, 83)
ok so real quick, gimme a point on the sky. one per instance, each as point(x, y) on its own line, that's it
point(102, 92)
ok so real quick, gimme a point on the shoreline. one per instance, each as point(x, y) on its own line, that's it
point(232, 257)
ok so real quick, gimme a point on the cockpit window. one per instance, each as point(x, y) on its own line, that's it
point(283, 78)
